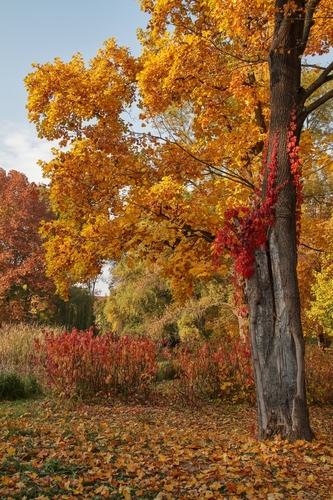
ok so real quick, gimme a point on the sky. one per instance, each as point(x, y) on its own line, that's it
point(38, 31)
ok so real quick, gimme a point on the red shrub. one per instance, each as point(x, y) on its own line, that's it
point(79, 364)
point(319, 375)
point(214, 370)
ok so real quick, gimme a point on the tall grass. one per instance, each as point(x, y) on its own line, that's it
point(17, 347)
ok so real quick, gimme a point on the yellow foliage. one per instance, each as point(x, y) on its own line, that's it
point(202, 88)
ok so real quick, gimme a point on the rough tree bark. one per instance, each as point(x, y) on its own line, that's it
point(272, 292)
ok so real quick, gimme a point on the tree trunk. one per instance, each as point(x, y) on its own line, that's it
point(272, 292)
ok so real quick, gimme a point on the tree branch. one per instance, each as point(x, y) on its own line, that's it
point(223, 172)
point(316, 104)
point(308, 22)
point(184, 228)
point(322, 78)
point(314, 249)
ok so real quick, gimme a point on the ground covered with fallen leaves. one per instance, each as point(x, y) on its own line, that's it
point(48, 451)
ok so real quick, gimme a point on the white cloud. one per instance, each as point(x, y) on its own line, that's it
point(20, 149)
point(102, 284)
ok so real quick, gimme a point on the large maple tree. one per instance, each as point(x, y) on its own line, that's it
point(216, 80)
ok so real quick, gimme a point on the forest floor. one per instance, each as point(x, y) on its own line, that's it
point(160, 452)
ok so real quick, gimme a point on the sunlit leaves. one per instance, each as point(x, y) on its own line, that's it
point(66, 98)
point(202, 87)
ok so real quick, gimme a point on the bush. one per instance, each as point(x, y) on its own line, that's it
point(166, 371)
point(32, 387)
point(14, 386)
point(11, 387)
point(215, 370)
point(77, 364)
point(319, 375)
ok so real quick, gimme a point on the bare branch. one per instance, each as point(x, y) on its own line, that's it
point(315, 249)
point(224, 172)
point(228, 174)
point(324, 77)
point(316, 104)
point(314, 66)
point(308, 22)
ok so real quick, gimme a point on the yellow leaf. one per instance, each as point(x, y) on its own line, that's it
point(126, 492)
point(103, 491)
point(168, 487)
point(249, 490)
point(100, 489)
point(131, 467)
point(191, 482)
point(240, 488)
point(67, 485)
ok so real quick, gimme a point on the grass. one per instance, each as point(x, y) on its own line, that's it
point(18, 376)
point(17, 345)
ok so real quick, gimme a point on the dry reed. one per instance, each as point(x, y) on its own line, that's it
point(17, 346)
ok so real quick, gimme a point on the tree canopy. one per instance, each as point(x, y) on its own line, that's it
point(202, 87)
point(24, 288)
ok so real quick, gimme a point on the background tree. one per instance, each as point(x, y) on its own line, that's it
point(141, 302)
point(316, 252)
point(234, 70)
point(138, 297)
point(25, 291)
point(77, 311)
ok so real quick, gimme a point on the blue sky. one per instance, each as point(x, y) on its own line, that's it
point(39, 31)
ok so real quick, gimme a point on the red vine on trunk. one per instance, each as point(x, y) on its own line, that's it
point(296, 171)
point(246, 228)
